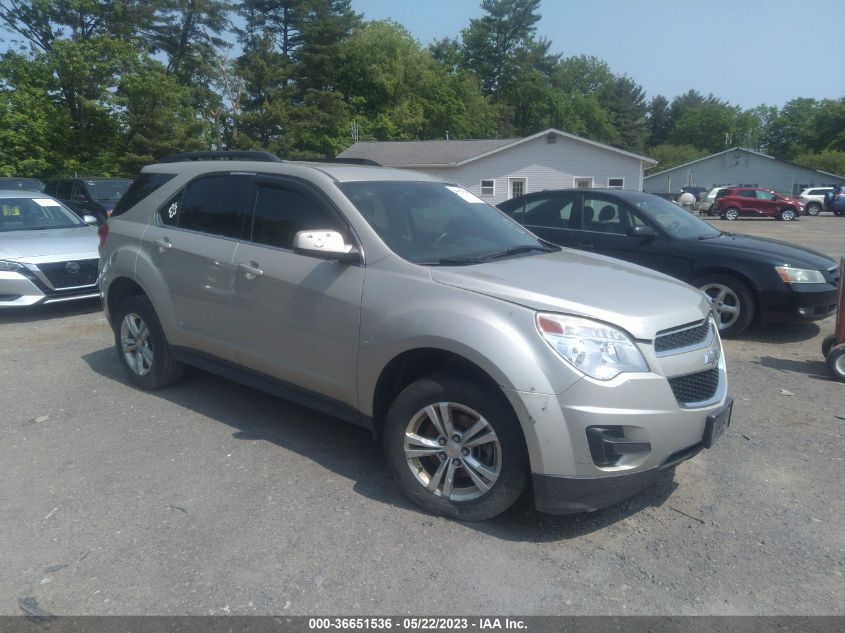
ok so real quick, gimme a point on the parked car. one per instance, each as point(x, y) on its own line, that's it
point(706, 201)
point(834, 200)
point(746, 277)
point(91, 196)
point(480, 355)
point(20, 184)
point(813, 199)
point(736, 202)
point(47, 254)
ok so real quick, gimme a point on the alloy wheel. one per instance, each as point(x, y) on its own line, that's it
point(452, 451)
point(135, 344)
point(725, 302)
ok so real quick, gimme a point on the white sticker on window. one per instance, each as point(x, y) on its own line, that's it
point(46, 202)
point(466, 195)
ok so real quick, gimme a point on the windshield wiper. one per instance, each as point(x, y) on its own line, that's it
point(516, 250)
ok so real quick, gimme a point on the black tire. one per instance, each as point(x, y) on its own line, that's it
point(738, 295)
point(731, 213)
point(814, 208)
point(157, 370)
point(787, 214)
point(409, 408)
point(839, 212)
point(828, 343)
point(836, 362)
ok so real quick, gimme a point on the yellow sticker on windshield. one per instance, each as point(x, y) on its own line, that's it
point(11, 211)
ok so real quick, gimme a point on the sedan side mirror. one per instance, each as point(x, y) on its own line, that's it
point(89, 219)
point(642, 230)
point(325, 245)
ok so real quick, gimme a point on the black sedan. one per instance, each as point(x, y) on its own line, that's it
point(746, 277)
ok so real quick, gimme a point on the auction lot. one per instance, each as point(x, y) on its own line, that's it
point(212, 498)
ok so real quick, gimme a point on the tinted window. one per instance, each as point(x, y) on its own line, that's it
point(553, 212)
point(281, 213)
point(63, 189)
point(169, 211)
point(107, 190)
point(747, 193)
point(218, 205)
point(143, 186)
point(606, 216)
point(78, 193)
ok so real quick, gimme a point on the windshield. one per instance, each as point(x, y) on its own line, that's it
point(33, 214)
point(21, 184)
point(677, 222)
point(107, 190)
point(436, 223)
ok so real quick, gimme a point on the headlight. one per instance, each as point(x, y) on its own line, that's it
point(799, 275)
point(9, 267)
point(598, 350)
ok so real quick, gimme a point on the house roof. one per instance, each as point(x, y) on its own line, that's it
point(741, 149)
point(454, 153)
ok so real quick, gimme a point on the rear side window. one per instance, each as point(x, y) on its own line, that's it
point(280, 213)
point(143, 186)
point(63, 189)
point(220, 204)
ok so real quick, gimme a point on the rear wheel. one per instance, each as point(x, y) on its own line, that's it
point(839, 212)
point(787, 214)
point(836, 362)
point(732, 302)
point(814, 208)
point(455, 448)
point(731, 213)
point(142, 346)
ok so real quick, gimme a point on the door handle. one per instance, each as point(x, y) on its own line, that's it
point(251, 270)
point(163, 244)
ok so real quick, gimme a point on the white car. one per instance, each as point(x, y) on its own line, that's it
point(813, 199)
point(707, 200)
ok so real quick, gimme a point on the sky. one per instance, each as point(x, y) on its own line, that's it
point(746, 52)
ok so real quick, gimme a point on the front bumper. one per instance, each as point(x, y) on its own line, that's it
point(811, 302)
point(19, 290)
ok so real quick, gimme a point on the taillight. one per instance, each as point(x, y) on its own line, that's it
point(103, 232)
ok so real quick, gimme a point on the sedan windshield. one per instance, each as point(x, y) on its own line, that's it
point(107, 190)
point(677, 222)
point(439, 224)
point(33, 214)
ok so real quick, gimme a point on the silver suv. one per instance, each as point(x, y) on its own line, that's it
point(482, 357)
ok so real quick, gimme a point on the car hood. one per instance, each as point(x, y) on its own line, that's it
point(777, 252)
point(638, 300)
point(50, 244)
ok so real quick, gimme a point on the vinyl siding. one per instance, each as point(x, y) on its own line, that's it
point(739, 168)
point(544, 165)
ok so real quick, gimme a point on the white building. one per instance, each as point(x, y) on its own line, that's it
point(500, 169)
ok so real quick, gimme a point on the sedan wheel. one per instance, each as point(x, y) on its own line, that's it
point(732, 303)
point(135, 344)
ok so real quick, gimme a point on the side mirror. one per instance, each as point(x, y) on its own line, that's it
point(89, 219)
point(324, 244)
point(642, 230)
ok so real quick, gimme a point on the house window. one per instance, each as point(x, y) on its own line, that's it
point(517, 187)
point(615, 183)
point(488, 187)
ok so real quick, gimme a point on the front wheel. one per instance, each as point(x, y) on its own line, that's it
point(839, 212)
point(732, 302)
point(836, 362)
point(787, 214)
point(455, 448)
point(142, 347)
point(814, 208)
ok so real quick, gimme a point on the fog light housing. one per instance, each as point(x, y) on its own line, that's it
point(608, 445)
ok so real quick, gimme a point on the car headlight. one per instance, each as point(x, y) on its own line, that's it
point(791, 275)
point(10, 267)
point(600, 351)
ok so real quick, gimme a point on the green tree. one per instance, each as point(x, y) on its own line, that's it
point(625, 101)
point(830, 160)
point(668, 156)
point(658, 120)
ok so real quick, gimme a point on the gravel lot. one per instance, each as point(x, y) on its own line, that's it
point(212, 498)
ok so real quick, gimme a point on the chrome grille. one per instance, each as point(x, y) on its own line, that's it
point(65, 275)
point(679, 339)
point(697, 387)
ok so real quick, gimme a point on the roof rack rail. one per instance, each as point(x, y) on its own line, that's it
point(348, 161)
point(253, 155)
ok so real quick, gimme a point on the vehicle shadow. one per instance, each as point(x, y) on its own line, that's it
point(781, 333)
point(351, 451)
point(50, 311)
point(812, 368)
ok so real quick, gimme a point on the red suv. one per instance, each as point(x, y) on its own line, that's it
point(733, 202)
